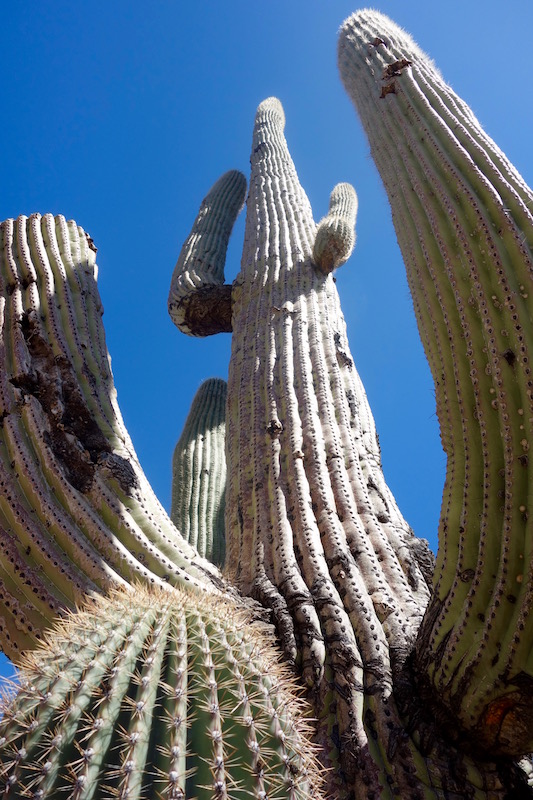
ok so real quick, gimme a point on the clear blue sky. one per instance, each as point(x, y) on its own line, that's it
point(122, 114)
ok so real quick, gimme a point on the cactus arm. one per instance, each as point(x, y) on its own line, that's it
point(147, 693)
point(199, 473)
point(464, 224)
point(77, 514)
point(199, 302)
point(335, 234)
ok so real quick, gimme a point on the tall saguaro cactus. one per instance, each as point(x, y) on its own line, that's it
point(420, 678)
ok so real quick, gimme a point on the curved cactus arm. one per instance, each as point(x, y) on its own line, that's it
point(199, 302)
point(150, 693)
point(77, 514)
point(463, 218)
point(335, 234)
point(199, 472)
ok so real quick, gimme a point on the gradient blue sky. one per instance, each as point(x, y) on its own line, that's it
point(122, 114)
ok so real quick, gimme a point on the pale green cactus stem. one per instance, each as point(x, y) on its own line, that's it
point(199, 473)
point(157, 694)
point(335, 234)
point(463, 217)
point(199, 302)
point(77, 514)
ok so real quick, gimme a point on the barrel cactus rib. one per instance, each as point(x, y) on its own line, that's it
point(159, 694)
point(77, 514)
point(470, 275)
point(199, 472)
point(199, 302)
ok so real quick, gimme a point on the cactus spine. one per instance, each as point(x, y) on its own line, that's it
point(199, 473)
point(77, 514)
point(464, 222)
point(157, 694)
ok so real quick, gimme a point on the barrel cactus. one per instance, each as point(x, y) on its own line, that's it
point(157, 694)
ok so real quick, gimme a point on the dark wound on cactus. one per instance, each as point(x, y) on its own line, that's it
point(77, 514)
point(199, 302)
point(463, 218)
point(199, 473)
point(157, 694)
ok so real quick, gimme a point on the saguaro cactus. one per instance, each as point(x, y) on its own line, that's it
point(420, 683)
point(199, 473)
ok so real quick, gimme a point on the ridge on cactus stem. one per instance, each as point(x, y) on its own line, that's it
point(77, 514)
point(148, 693)
point(199, 473)
point(463, 218)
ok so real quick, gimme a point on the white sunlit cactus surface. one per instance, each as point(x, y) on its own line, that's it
point(420, 685)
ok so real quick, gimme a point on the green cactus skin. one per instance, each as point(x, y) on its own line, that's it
point(77, 514)
point(199, 473)
point(157, 694)
point(463, 218)
point(199, 302)
point(335, 234)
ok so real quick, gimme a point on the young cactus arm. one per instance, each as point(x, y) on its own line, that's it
point(199, 473)
point(335, 234)
point(155, 694)
point(77, 514)
point(463, 218)
point(312, 529)
point(199, 302)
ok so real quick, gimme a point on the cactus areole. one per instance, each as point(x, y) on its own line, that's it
point(420, 676)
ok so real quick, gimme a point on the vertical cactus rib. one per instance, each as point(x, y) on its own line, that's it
point(199, 473)
point(463, 217)
point(335, 234)
point(199, 302)
point(77, 514)
point(157, 694)
point(312, 529)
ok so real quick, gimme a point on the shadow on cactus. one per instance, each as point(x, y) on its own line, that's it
point(419, 675)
